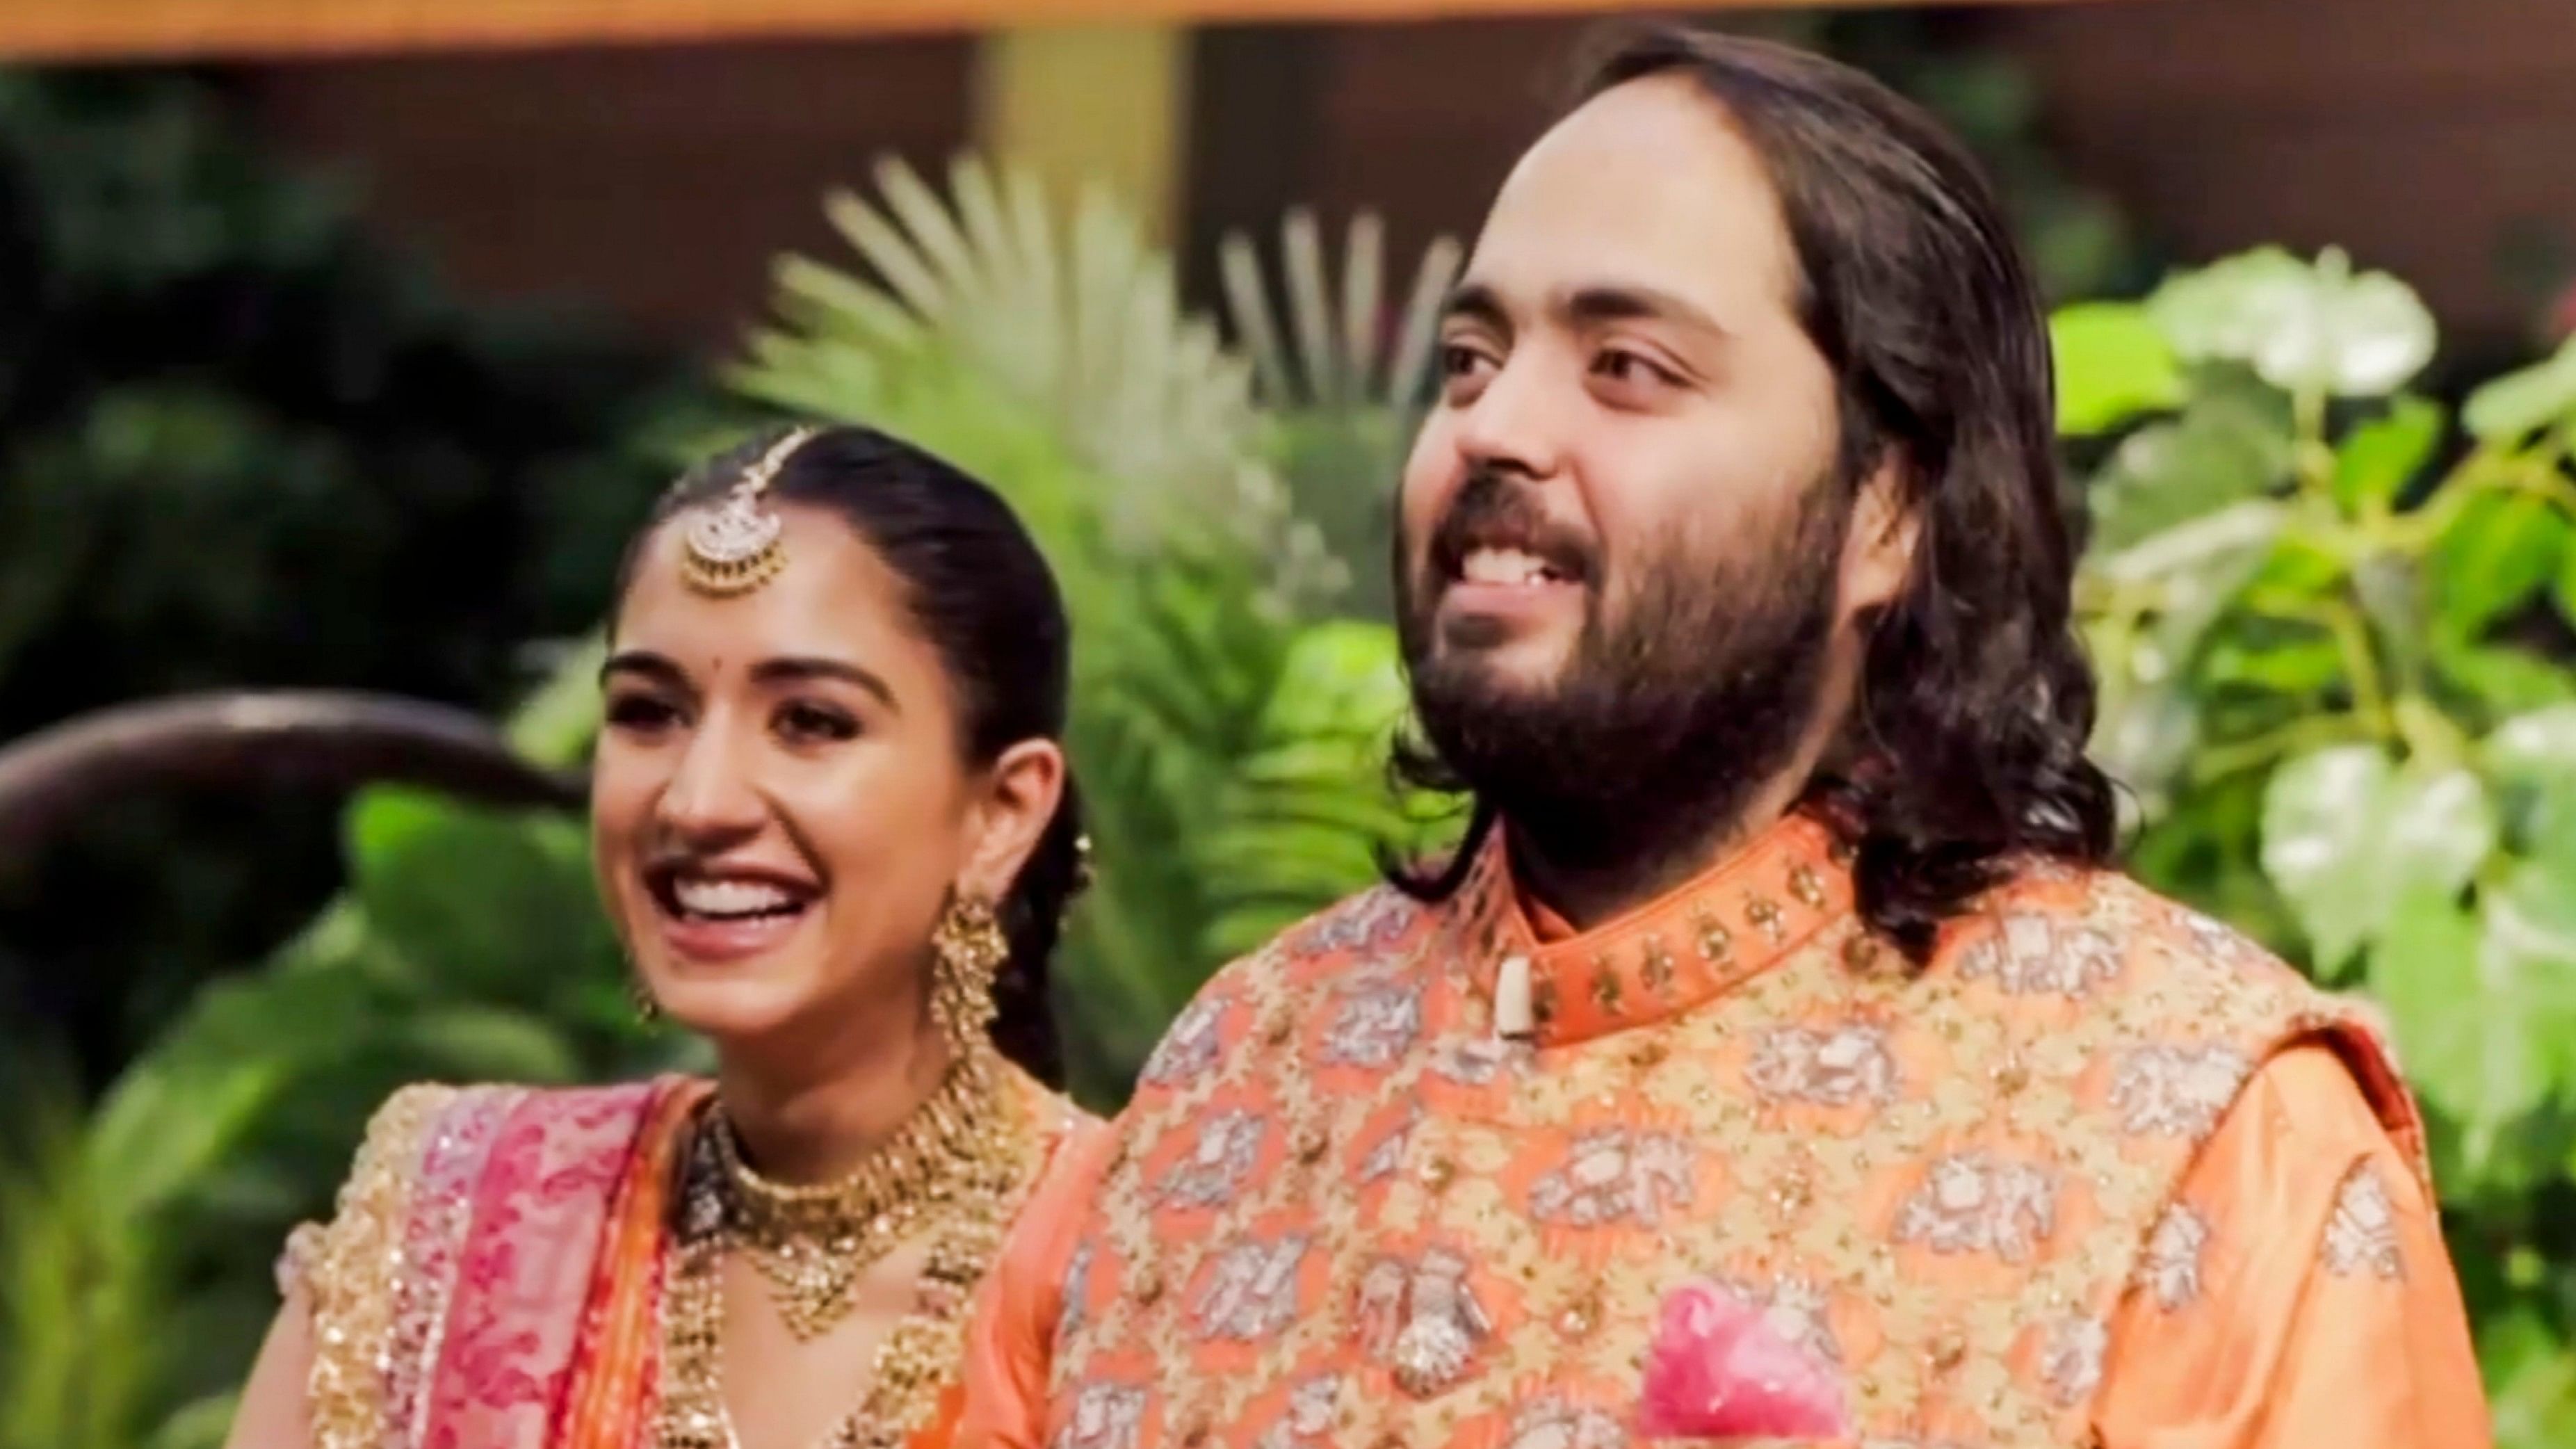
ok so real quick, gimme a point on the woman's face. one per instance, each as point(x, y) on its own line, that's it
point(779, 808)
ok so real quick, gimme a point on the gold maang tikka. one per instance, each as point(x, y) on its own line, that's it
point(733, 546)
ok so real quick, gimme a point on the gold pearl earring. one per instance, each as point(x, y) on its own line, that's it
point(648, 1012)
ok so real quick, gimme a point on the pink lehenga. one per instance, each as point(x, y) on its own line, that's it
point(493, 1278)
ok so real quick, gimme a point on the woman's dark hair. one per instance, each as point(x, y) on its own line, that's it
point(1965, 747)
point(985, 599)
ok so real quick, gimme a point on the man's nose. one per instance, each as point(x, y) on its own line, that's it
point(1517, 424)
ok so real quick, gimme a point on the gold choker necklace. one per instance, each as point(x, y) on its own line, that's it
point(957, 1169)
point(812, 1243)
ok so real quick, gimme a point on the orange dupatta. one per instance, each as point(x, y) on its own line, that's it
point(615, 1389)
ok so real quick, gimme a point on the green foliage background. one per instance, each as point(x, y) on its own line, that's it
point(242, 443)
point(2332, 623)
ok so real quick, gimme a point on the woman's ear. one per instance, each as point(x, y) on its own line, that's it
point(1019, 797)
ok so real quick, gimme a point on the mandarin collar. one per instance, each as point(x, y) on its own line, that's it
point(1686, 948)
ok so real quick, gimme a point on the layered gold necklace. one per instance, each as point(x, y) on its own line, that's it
point(956, 1170)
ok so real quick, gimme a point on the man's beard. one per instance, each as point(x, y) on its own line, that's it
point(1665, 721)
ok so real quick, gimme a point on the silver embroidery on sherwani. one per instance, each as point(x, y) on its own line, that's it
point(1105, 1416)
point(1831, 1068)
point(1612, 1175)
point(2177, 1091)
point(2171, 1269)
point(1974, 1202)
point(2030, 955)
point(1251, 1292)
point(2361, 1236)
point(1215, 1169)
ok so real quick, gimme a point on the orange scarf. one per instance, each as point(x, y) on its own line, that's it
point(615, 1388)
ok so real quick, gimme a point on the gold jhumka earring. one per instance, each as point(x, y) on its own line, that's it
point(967, 951)
point(733, 546)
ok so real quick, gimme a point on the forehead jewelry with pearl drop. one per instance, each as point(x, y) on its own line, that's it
point(733, 546)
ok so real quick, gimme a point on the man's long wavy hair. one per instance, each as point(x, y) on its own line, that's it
point(1964, 750)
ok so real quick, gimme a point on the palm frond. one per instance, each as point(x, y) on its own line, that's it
point(1310, 311)
point(1419, 327)
point(1361, 284)
point(1342, 381)
point(1080, 326)
point(1348, 351)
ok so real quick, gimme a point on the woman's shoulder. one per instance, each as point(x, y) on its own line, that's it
point(430, 1142)
point(1050, 1111)
point(1062, 1129)
point(422, 1118)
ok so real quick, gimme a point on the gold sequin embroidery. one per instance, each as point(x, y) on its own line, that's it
point(355, 1274)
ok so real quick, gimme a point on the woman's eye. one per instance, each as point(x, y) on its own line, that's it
point(807, 723)
point(639, 713)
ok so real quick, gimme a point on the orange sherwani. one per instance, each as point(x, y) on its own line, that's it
point(2103, 1173)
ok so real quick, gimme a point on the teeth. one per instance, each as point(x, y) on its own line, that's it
point(1504, 566)
point(728, 897)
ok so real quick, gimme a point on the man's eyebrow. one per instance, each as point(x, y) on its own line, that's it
point(1475, 302)
point(1627, 302)
point(1589, 304)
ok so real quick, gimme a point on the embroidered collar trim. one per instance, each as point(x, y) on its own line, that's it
point(1700, 940)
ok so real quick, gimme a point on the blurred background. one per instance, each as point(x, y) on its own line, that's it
point(341, 347)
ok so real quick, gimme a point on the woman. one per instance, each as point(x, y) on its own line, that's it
point(833, 824)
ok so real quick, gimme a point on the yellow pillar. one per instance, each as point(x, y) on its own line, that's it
point(1102, 105)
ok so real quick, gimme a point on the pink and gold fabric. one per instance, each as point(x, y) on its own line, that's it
point(2103, 1172)
point(493, 1276)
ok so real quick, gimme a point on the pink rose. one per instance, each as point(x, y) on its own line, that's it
point(1718, 1371)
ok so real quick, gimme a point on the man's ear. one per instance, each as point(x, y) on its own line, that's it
point(1878, 550)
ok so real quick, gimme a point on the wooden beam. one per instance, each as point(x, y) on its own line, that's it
point(1091, 105)
point(101, 30)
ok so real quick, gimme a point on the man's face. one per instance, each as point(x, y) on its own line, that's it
point(1622, 547)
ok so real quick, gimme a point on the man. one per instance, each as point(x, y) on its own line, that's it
point(1781, 951)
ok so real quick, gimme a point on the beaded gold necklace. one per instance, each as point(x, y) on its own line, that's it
point(957, 1169)
point(812, 1243)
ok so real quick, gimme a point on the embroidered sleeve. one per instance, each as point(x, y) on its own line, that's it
point(392, 1142)
point(294, 1269)
point(347, 1269)
point(2297, 1292)
point(2363, 1234)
